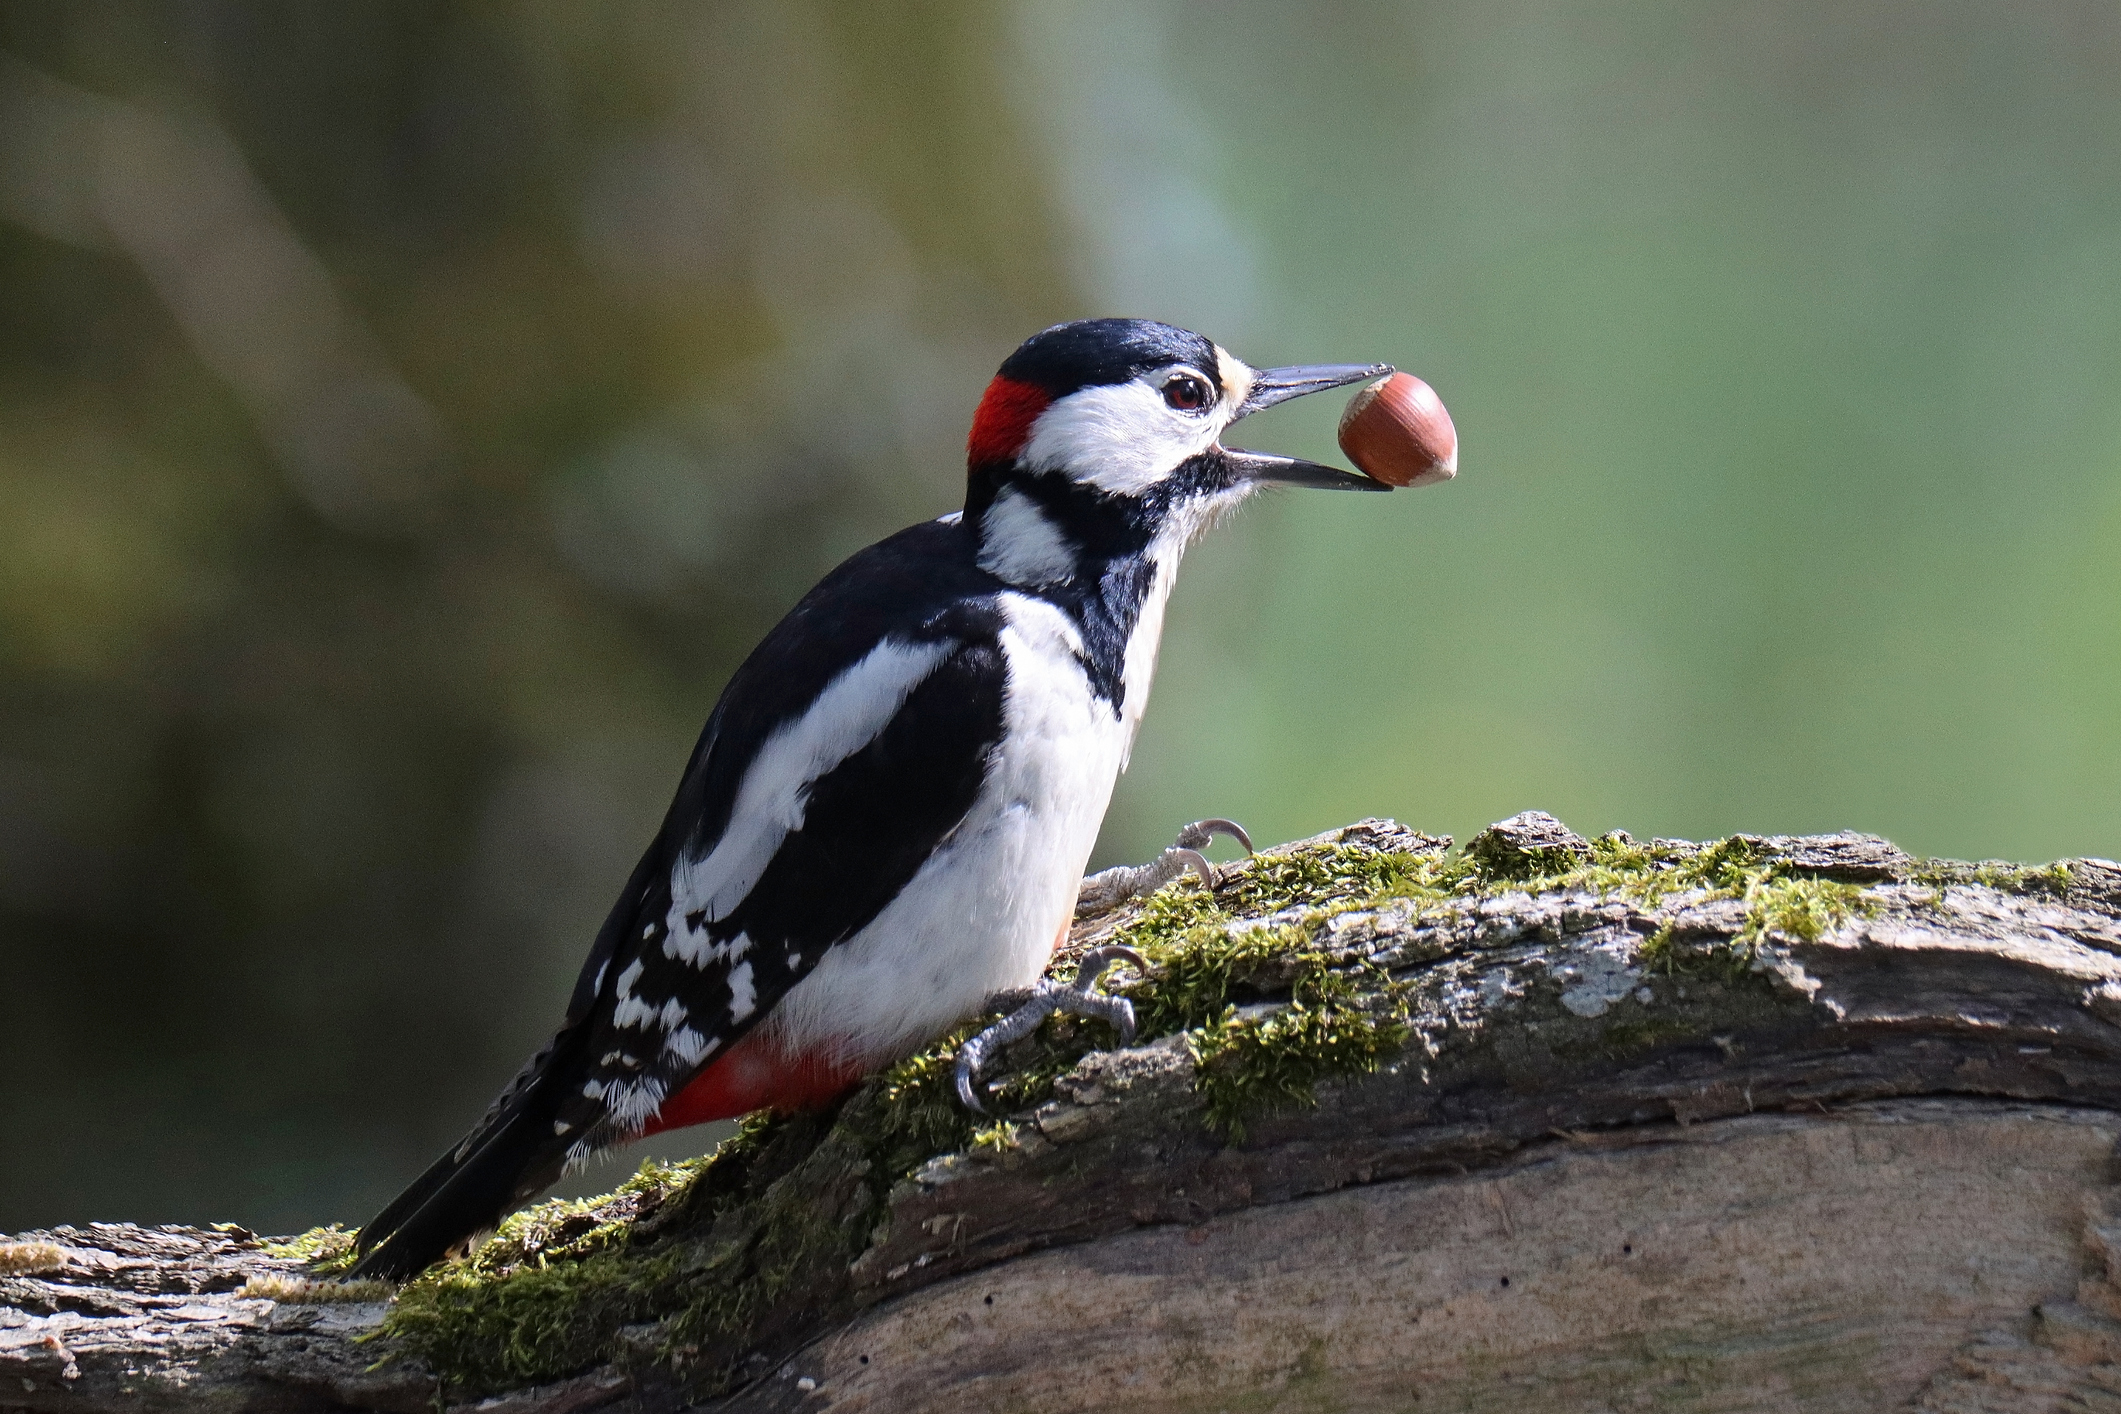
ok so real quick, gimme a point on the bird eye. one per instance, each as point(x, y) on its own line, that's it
point(1187, 392)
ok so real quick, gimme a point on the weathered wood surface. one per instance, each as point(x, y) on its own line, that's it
point(1873, 1171)
point(1762, 1262)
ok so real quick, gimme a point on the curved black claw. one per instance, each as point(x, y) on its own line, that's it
point(1200, 833)
point(1091, 969)
point(1103, 892)
point(1071, 998)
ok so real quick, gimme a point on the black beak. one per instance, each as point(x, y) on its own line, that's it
point(1271, 470)
point(1278, 385)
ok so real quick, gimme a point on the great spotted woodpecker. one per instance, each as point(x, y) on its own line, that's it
point(886, 818)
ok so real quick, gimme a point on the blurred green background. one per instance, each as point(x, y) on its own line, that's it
point(410, 413)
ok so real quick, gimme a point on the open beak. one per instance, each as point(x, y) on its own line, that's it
point(1278, 385)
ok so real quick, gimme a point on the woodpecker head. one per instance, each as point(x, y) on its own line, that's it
point(1108, 428)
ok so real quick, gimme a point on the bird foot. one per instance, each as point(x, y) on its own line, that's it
point(1105, 891)
point(1034, 1004)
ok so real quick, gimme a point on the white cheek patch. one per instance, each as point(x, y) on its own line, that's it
point(1019, 545)
point(1119, 437)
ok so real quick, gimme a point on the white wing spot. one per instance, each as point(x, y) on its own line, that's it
point(593, 1090)
point(698, 949)
point(631, 975)
point(561, 1126)
point(743, 1000)
point(690, 1046)
point(687, 946)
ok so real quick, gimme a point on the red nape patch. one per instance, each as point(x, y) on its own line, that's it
point(751, 1077)
point(1004, 419)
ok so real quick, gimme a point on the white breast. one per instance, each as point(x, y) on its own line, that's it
point(983, 913)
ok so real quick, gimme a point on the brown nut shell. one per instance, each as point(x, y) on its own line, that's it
point(1398, 432)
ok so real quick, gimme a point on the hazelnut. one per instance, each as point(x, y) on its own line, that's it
point(1397, 431)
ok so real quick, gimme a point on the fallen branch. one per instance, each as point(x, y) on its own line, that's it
point(1552, 1123)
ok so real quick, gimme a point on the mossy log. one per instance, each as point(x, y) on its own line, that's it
point(1544, 1124)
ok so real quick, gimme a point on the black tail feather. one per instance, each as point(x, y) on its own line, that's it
point(461, 1197)
point(510, 1155)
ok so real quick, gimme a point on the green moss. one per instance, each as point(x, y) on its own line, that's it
point(328, 1250)
point(790, 1234)
point(1208, 962)
point(1997, 874)
point(1650, 875)
point(1209, 958)
point(525, 1325)
point(1614, 864)
point(1659, 951)
point(1804, 909)
point(1341, 874)
point(1251, 1064)
point(1777, 904)
point(1196, 974)
point(1207, 951)
point(547, 1295)
point(565, 1229)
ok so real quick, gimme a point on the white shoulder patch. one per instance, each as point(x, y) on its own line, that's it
point(1118, 437)
point(1019, 545)
point(846, 717)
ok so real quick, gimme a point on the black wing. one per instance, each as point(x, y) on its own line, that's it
point(682, 987)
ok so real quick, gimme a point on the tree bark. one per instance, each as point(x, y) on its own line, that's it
point(1848, 1149)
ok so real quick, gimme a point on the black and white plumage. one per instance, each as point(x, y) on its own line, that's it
point(886, 818)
